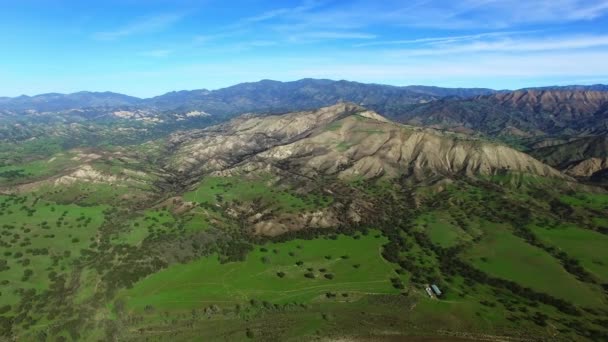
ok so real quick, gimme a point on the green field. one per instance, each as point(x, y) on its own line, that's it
point(37, 168)
point(355, 266)
point(440, 228)
point(589, 247)
point(42, 238)
point(506, 256)
point(589, 200)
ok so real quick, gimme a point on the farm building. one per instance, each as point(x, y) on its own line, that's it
point(436, 290)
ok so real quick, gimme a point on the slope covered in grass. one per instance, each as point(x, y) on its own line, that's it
point(294, 271)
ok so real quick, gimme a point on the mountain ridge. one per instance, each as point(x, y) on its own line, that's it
point(523, 112)
point(346, 140)
point(280, 96)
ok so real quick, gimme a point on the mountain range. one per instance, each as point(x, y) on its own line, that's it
point(262, 96)
point(522, 113)
point(529, 119)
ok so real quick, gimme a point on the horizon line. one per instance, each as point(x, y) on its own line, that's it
point(302, 79)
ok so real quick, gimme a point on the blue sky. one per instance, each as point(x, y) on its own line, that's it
point(146, 48)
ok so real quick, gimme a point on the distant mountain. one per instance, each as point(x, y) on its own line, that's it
point(527, 112)
point(520, 113)
point(447, 92)
point(276, 97)
point(594, 87)
point(57, 102)
point(265, 96)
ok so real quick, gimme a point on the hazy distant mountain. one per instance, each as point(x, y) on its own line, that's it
point(446, 92)
point(276, 97)
point(594, 87)
point(550, 110)
point(57, 102)
point(263, 96)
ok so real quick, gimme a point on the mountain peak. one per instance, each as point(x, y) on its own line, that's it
point(345, 140)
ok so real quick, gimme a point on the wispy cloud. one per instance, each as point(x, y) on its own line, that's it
point(284, 25)
point(160, 53)
point(591, 11)
point(488, 67)
point(562, 10)
point(316, 36)
point(281, 12)
point(502, 13)
point(141, 26)
point(463, 14)
point(445, 39)
point(508, 45)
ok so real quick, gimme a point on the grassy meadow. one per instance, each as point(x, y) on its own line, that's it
point(295, 271)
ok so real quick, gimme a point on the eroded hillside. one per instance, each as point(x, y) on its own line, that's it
point(344, 140)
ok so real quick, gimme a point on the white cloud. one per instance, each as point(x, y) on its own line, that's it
point(591, 12)
point(491, 68)
point(503, 13)
point(281, 12)
point(446, 39)
point(157, 53)
point(316, 36)
point(462, 14)
point(508, 45)
point(141, 26)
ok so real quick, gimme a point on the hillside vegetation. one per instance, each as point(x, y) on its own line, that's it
point(329, 224)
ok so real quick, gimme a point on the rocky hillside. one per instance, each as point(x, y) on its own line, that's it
point(564, 104)
point(521, 113)
point(585, 157)
point(308, 151)
point(345, 140)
